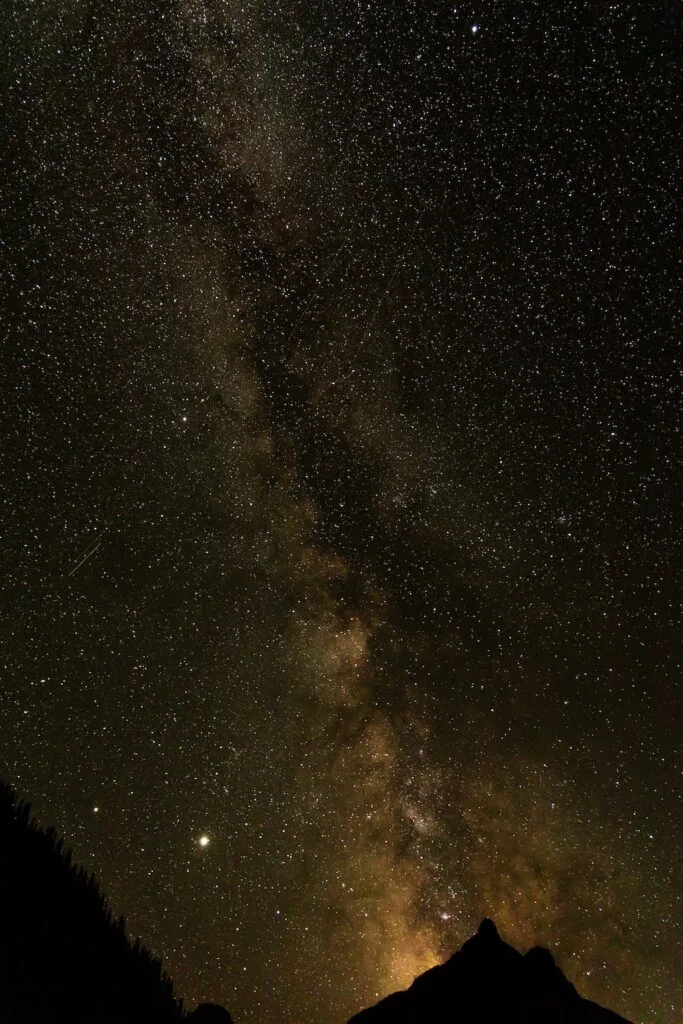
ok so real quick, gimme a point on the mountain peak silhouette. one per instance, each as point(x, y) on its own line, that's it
point(488, 930)
point(67, 960)
point(489, 982)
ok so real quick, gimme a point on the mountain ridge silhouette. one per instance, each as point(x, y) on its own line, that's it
point(66, 959)
point(488, 981)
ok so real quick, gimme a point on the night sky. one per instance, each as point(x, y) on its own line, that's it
point(337, 478)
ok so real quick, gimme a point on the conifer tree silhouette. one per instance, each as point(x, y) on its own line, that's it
point(64, 958)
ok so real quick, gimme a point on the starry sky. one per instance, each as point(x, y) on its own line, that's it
point(337, 479)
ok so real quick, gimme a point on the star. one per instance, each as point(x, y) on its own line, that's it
point(340, 477)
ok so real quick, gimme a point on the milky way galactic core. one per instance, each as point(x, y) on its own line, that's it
point(337, 485)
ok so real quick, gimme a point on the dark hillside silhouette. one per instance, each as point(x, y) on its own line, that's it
point(64, 958)
point(489, 982)
point(209, 1013)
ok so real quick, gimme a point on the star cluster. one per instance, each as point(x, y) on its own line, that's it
point(337, 492)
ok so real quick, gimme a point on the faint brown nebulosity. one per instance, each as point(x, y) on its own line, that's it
point(340, 338)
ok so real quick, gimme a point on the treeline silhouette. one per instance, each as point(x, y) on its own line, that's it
point(64, 957)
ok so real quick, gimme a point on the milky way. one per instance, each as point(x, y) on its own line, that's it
point(337, 485)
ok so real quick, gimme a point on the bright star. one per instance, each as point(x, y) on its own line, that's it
point(203, 840)
point(475, 29)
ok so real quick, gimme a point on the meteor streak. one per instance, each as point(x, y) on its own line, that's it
point(89, 552)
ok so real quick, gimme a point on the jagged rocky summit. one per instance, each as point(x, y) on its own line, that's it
point(65, 958)
point(489, 982)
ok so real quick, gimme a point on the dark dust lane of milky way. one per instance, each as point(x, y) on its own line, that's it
point(337, 483)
